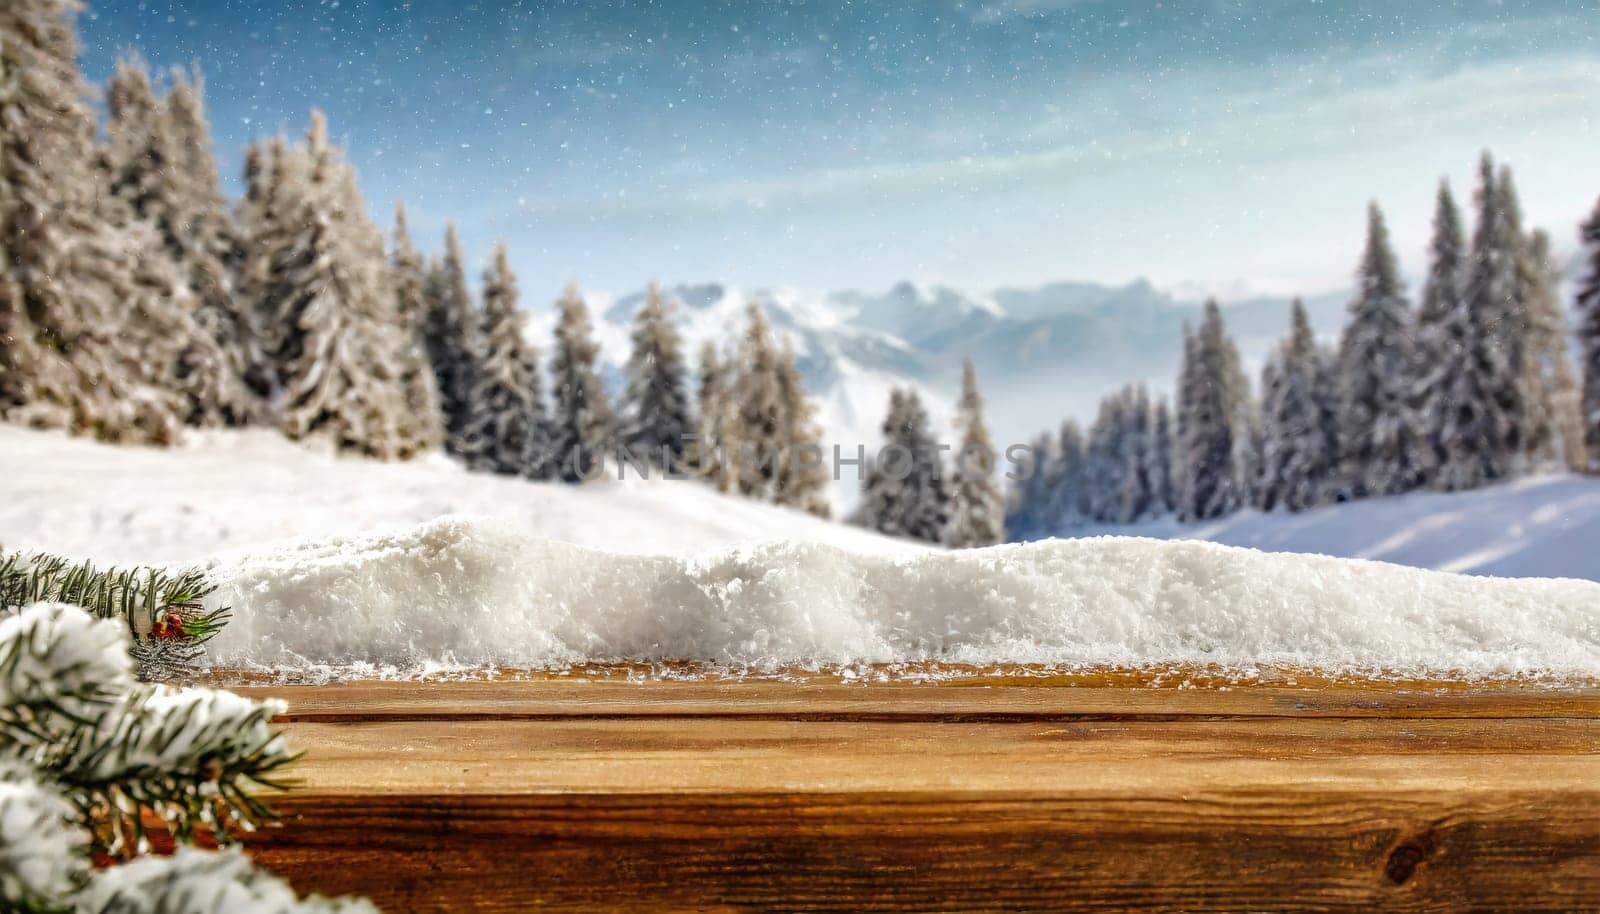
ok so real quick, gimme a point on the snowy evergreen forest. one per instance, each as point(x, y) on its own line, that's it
point(136, 299)
point(1472, 386)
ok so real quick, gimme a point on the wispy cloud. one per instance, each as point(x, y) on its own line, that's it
point(1310, 112)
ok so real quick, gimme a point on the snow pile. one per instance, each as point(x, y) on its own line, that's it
point(474, 593)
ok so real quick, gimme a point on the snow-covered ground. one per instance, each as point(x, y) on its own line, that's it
point(231, 491)
point(347, 566)
point(1543, 526)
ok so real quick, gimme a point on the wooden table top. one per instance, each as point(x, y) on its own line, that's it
point(1095, 792)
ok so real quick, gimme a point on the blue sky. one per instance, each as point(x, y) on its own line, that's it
point(851, 144)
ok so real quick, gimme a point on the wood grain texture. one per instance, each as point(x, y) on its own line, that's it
point(977, 698)
point(527, 796)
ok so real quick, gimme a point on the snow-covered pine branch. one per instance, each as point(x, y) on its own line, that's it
point(163, 612)
point(72, 711)
point(86, 753)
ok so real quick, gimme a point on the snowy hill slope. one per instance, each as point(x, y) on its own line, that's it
point(228, 491)
point(1544, 526)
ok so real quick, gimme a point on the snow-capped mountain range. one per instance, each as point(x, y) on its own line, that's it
point(1042, 354)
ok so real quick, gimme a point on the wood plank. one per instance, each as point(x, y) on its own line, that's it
point(814, 795)
point(699, 756)
point(982, 698)
point(1221, 850)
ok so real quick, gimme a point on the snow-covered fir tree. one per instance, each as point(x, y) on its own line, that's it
point(802, 480)
point(1454, 448)
point(883, 488)
point(455, 344)
point(137, 150)
point(409, 271)
point(1248, 444)
point(759, 404)
point(207, 242)
point(711, 399)
point(977, 508)
point(1547, 369)
point(159, 338)
point(1490, 294)
point(506, 411)
point(729, 467)
point(1055, 490)
point(1456, 365)
point(75, 311)
point(1209, 406)
point(656, 423)
point(1120, 480)
point(161, 165)
point(1261, 494)
point(1299, 431)
point(1546, 389)
point(925, 506)
point(1066, 480)
point(386, 350)
point(582, 427)
point(1138, 497)
point(1188, 374)
point(1116, 458)
point(423, 425)
point(1104, 467)
point(328, 313)
point(1587, 299)
point(1527, 407)
point(1377, 430)
point(262, 230)
point(1158, 459)
point(906, 493)
point(141, 176)
point(1028, 495)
